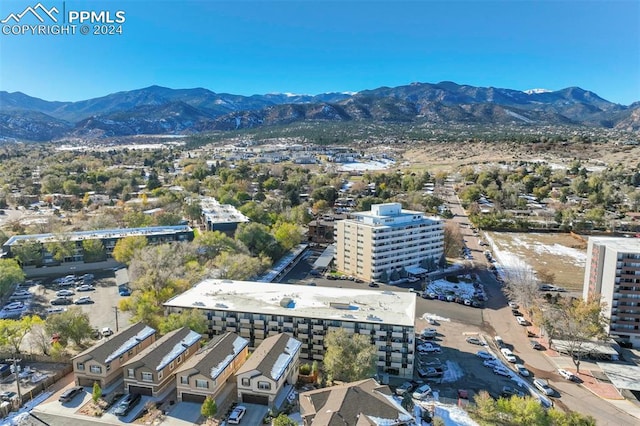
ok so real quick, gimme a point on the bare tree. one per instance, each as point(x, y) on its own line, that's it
point(522, 284)
point(452, 239)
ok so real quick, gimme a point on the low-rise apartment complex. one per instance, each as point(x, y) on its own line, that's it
point(612, 271)
point(108, 238)
point(153, 371)
point(103, 361)
point(386, 240)
point(258, 310)
point(206, 373)
point(271, 366)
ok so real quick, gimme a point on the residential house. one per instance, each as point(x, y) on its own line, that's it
point(206, 373)
point(152, 371)
point(353, 404)
point(272, 366)
point(103, 362)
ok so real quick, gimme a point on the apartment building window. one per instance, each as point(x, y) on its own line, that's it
point(264, 385)
point(131, 373)
point(80, 366)
point(95, 369)
point(184, 380)
point(171, 365)
point(159, 375)
point(108, 367)
point(147, 377)
point(202, 384)
point(246, 381)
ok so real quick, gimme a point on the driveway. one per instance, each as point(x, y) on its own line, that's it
point(183, 414)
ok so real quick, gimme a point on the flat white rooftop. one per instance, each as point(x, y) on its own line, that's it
point(629, 245)
point(343, 304)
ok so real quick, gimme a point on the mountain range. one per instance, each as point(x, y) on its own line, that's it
point(161, 110)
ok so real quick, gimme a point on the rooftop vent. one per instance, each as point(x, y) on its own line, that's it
point(287, 302)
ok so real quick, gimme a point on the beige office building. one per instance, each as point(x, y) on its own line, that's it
point(370, 245)
point(613, 271)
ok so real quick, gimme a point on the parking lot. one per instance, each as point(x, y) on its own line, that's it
point(103, 294)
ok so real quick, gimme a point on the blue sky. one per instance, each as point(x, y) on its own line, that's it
point(312, 46)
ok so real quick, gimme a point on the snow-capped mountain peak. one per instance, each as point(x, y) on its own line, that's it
point(532, 91)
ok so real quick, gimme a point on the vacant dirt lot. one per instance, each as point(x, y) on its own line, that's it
point(558, 253)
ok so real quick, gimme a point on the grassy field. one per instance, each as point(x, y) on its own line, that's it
point(560, 254)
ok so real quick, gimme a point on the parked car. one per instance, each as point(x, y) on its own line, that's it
point(499, 341)
point(429, 372)
point(71, 393)
point(509, 391)
point(492, 363)
point(20, 295)
point(484, 355)
point(501, 371)
point(522, 370)
point(127, 404)
point(404, 388)
point(474, 341)
point(83, 301)
point(513, 305)
point(567, 374)
point(428, 333)
point(535, 344)
point(13, 306)
point(543, 386)
point(428, 347)
point(61, 301)
point(508, 355)
point(522, 321)
point(123, 290)
point(516, 313)
point(106, 331)
point(51, 311)
point(374, 284)
point(65, 293)
point(7, 396)
point(422, 392)
point(85, 287)
point(236, 415)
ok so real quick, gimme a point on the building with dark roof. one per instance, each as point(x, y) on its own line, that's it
point(152, 371)
point(206, 373)
point(271, 366)
point(103, 361)
point(108, 238)
point(363, 403)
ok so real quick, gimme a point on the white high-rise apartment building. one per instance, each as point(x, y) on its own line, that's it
point(613, 272)
point(387, 239)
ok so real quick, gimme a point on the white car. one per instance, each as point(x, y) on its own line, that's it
point(522, 321)
point(484, 355)
point(422, 392)
point(236, 415)
point(508, 355)
point(566, 374)
point(522, 370)
point(106, 332)
point(85, 287)
point(65, 293)
point(543, 386)
point(83, 301)
point(513, 305)
point(425, 347)
point(429, 333)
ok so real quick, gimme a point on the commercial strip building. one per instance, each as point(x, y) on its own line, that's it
point(373, 245)
point(612, 271)
point(108, 238)
point(258, 310)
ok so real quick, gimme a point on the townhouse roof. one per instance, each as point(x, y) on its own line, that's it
point(212, 359)
point(358, 403)
point(118, 344)
point(166, 349)
point(272, 357)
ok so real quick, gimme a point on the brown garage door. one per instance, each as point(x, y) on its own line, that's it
point(190, 397)
point(255, 399)
point(83, 381)
point(142, 390)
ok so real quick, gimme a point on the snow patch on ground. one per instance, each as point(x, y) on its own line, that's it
point(452, 373)
point(435, 317)
point(364, 166)
point(578, 256)
point(452, 415)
